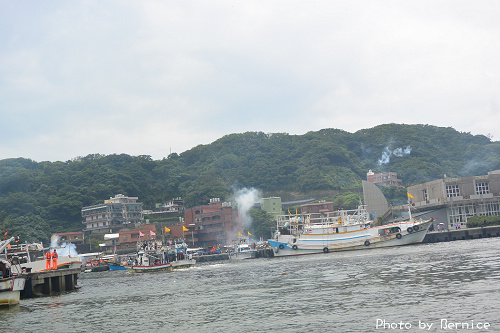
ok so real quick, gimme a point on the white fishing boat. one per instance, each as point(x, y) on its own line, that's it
point(11, 283)
point(243, 251)
point(342, 230)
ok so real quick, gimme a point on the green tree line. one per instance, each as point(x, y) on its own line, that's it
point(40, 198)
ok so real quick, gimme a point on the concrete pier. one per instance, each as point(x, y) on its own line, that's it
point(46, 283)
point(264, 253)
point(462, 234)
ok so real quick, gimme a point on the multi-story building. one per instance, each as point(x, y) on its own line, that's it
point(384, 179)
point(212, 224)
point(271, 205)
point(454, 200)
point(172, 206)
point(317, 208)
point(112, 215)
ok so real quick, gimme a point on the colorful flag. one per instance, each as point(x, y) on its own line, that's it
point(152, 233)
point(249, 234)
point(409, 195)
point(239, 234)
point(167, 229)
point(141, 234)
point(213, 249)
point(184, 228)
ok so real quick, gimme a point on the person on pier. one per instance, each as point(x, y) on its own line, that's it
point(54, 259)
point(48, 257)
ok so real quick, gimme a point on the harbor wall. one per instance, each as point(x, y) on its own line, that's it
point(462, 234)
point(46, 283)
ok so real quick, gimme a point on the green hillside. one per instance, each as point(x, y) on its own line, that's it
point(39, 198)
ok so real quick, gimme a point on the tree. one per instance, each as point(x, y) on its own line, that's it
point(262, 223)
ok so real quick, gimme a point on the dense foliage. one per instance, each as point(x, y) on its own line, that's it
point(39, 198)
point(482, 221)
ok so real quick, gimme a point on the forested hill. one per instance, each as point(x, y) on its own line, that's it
point(39, 198)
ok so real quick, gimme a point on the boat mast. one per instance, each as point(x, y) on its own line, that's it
point(409, 212)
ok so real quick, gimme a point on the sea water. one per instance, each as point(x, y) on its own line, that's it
point(425, 287)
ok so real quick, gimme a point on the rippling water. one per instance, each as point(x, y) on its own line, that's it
point(337, 292)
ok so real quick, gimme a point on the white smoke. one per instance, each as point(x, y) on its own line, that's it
point(246, 198)
point(387, 153)
point(65, 249)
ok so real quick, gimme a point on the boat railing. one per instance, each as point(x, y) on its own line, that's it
point(325, 219)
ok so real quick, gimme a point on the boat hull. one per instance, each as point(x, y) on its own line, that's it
point(10, 290)
point(358, 240)
point(164, 267)
point(243, 255)
point(148, 269)
point(116, 267)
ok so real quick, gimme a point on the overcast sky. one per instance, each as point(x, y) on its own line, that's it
point(154, 77)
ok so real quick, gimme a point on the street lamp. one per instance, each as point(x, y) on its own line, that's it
point(192, 231)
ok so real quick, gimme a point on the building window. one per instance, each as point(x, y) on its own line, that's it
point(488, 209)
point(426, 196)
point(482, 188)
point(452, 191)
point(461, 214)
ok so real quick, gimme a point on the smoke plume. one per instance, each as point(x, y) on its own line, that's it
point(246, 198)
point(65, 249)
point(387, 153)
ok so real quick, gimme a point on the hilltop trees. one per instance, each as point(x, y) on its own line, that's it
point(39, 198)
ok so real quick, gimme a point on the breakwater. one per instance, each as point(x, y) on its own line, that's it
point(462, 234)
point(48, 282)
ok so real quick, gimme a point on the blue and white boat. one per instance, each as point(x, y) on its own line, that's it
point(116, 267)
point(340, 231)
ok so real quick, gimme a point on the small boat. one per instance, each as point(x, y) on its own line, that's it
point(157, 261)
point(116, 267)
point(340, 231)
point(11, 283)
point(243, 251)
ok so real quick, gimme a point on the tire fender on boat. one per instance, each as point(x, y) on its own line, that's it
point(410, 230)
point(326, 250)
point(398, 236)
point(367, 242)
point(416, 227)
point(281, 246)
point(294, 247)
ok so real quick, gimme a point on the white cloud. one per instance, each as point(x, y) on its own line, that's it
point(74, 76)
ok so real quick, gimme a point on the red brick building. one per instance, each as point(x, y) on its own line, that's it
point(384, 179)
point(212, 224)
point(317, 208)
point(128, 238)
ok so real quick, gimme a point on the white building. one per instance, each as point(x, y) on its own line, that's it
point(117, 212)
